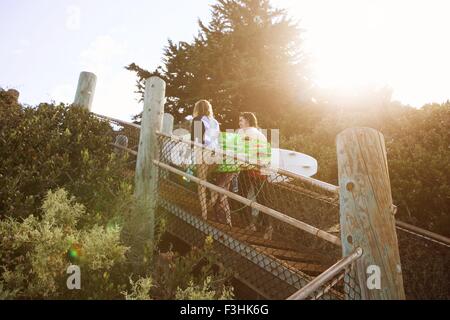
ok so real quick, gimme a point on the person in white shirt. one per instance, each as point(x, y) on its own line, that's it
point(248, 124)
point(248, 127)
point(204, 130)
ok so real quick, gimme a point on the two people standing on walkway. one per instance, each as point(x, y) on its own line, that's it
point(205, 130)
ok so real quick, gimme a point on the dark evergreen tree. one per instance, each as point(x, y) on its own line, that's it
point(248, 58)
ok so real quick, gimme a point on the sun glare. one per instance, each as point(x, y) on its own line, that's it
point(403, 44)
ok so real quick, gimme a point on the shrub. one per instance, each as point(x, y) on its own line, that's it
point(55, 146)
point(204, 291)
point(183, 276)
point(34, 253)
point(418, 153)
point(34, 257)
point(66, 149)
point(140, 289)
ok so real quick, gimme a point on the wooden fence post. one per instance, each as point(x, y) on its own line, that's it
point(366, 212)
point(168, 124)
point(146, 178)
point(85, 90)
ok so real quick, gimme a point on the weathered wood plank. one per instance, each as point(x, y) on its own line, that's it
point(85, 90)
point(256, 239)
point(168, 120)
point(290, 255)
point(366, 215)
point(146, 178)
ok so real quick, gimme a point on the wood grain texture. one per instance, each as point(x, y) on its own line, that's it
point(366, 215)
point(85, 90)
point(168, 121)
point(146, 176)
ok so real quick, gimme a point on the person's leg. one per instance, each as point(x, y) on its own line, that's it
point(212, 160)
point(202, 173)
point(223, 206)
point(213, 201)
point(251, 195)
point(266, 220)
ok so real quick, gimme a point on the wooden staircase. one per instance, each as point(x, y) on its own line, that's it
point(296, 258)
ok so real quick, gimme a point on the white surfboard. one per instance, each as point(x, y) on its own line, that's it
point(293, 162)
point(288, 160)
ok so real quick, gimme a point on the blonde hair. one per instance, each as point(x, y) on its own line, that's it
point(203, 108)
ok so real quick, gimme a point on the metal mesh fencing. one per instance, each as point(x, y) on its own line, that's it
point(252, 214)
point(425, 266)
point(340, 278)
point(273, 257)
point(126, 134)
point(345, 283)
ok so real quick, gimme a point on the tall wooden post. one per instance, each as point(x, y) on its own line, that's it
point(366, 212)
point(168, 123)
point(85, 90)
point(146, 178)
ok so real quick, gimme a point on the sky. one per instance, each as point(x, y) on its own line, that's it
point(47, 43)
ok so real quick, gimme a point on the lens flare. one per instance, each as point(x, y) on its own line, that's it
point(75, 253)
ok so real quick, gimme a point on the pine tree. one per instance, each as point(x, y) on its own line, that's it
point(248, 58)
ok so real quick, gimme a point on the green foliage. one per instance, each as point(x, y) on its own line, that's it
point(34, 259)
point(417, 142)
point(203, 292)
point(105, 233)
point(33, 253)
point(176, 275)
point(140, 289)
point(248, 58)
point(194, 276)
point(50, 147)
point(419, 166)
point(262, 75)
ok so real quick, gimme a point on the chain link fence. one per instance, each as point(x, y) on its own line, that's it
point(340, 278)
point(261, 221)
point(252, 213)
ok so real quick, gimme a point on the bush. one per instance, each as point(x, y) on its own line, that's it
point(66, 149)
point(34, 253)
point(198, 273)
point(419, 166)
point(203, 292)
point(50, 147)
point(140, 289)
point(418, 152)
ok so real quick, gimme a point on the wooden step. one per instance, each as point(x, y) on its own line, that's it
point(309, 268)
point(291, 255)
point(298, 258)
point(302, 261)
point(249, 237)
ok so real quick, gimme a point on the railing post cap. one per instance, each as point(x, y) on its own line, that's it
point(88, 73)
point(154, 79)
point(356, 130)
